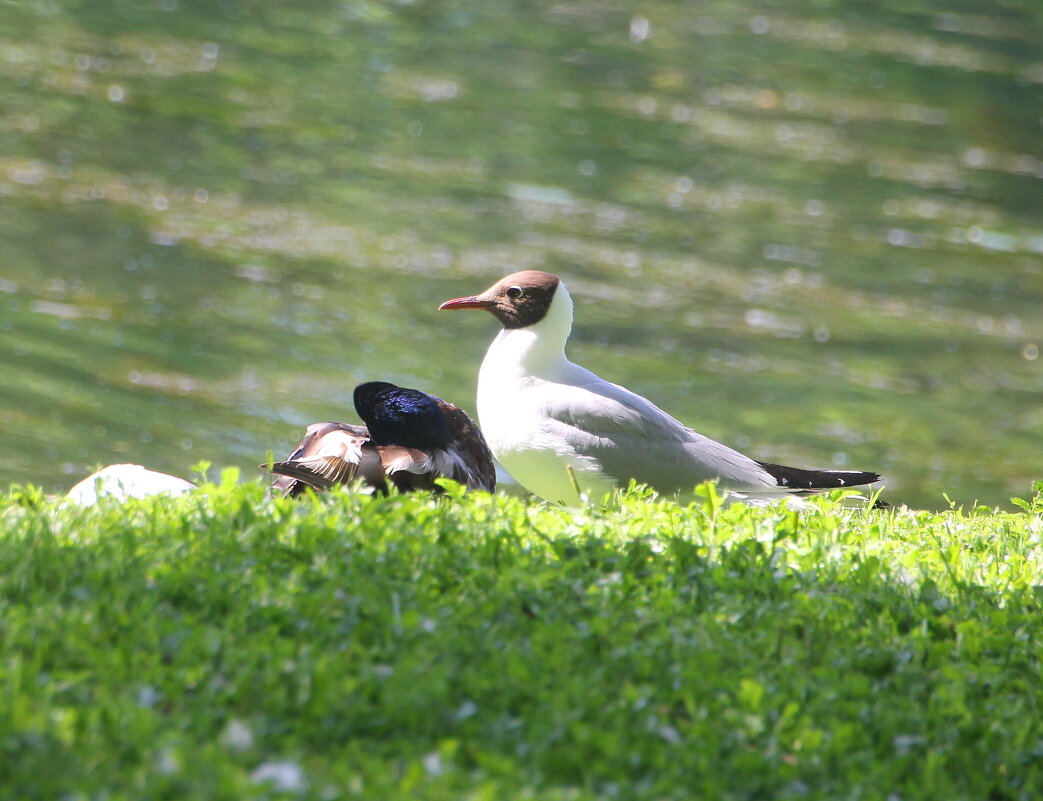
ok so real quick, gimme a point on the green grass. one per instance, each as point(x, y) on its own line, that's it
point(483, 648)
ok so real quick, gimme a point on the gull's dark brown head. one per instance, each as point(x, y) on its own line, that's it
point(519, 300)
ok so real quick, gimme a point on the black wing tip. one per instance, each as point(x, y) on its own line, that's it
point(799, 478)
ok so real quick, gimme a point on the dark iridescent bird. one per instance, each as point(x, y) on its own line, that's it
point(410, 439)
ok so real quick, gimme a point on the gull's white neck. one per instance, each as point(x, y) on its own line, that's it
point(537, 350)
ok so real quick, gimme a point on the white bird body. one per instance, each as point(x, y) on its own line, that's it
point(122, 481)
point(542, 414)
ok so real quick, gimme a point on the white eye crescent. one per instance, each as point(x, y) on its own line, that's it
point(515, 292)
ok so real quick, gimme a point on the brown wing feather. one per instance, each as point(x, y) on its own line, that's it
point(321, 474)
point(471, 445)
point(330, 454)
point(408, 468)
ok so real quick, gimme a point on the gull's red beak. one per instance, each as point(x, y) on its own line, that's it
point(472, 302)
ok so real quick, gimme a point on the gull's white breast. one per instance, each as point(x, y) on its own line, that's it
point(523, 372)
point(516, 427)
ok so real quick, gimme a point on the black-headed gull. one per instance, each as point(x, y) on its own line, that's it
point(410, 439)
point(554, 425)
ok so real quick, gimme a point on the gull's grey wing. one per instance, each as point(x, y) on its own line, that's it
point(633, 438)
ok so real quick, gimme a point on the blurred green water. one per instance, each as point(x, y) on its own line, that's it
point(810, 231)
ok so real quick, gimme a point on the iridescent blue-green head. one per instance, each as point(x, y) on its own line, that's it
point(399, 416)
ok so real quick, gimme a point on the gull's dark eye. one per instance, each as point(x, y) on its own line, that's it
point(515, 292)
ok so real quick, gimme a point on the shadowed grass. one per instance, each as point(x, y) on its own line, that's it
point(225, 646)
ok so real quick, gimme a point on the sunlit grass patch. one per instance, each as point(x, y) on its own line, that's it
point(223, 645)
